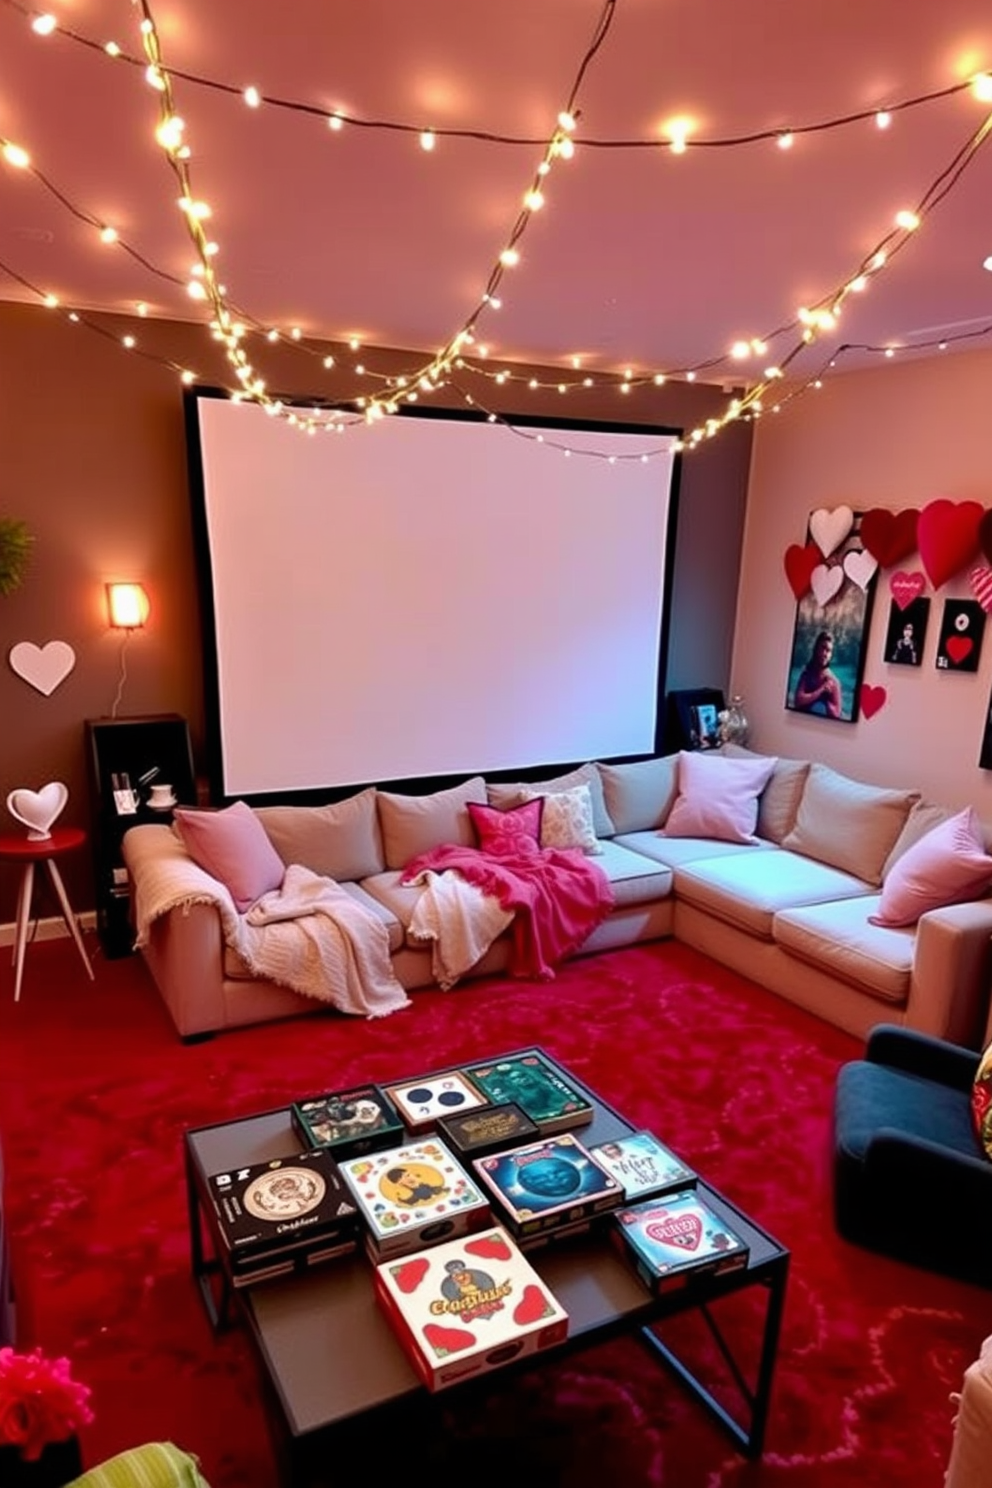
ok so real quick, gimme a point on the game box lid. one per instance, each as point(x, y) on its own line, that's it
point(265, 1207)
point(487, 1129)
point(548, 1183)
point(421, 1102)
point(468, 1306)
point(348, 1122)
point(643, 1165)
point(413, 1195)
point(676, 1237)
point(527, 1078)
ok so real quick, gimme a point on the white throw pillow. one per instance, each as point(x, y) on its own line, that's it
point(567, 819)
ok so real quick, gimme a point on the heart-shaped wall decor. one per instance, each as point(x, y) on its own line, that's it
point(947, 534)
point(889, 535)
point(980, 584)
point(860, 566)
point(872, 698)
point(36, 810)
point(825, 581)
point(799, 565)
point(828, 529)
point(958, 647)
point(905, 587)
point(43, 666)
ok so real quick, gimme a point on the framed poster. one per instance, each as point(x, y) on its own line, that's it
point(961, 630)
point(906, 633)
point(827, 662)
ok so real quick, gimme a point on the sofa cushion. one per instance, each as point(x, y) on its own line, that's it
point(924, 816)
point(503, 794)
point(341, 841)
point(502, 831)
point(231, 845)
point(566, 821)
point(639, 796)
point(750, 889)
point(847, 824)
point(778, 804)
point(414, 824)
point(838, 938)
point(718, 797)
point(634, 878)
point(399, 899)
point(674, 851)
point(949, 865)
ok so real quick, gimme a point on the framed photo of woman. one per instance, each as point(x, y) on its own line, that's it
point(827, 663)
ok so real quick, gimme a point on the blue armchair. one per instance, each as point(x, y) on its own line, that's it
point(911, 1178)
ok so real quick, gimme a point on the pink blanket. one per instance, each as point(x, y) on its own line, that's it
point(558, 897)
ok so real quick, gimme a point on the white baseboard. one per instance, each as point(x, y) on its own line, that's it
point(51, 928)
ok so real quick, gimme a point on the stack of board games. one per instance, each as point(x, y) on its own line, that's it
point(643, 1165)
point(413, 1196)
point(548, 1184)
point(542, 1093)
point(467, 1306)
point(348, 1122)
point(477, 1133)
point(280, 1216)
point(421, 1102)
point(676, 1239)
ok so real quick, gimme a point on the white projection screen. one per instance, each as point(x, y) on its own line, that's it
point(426, 596)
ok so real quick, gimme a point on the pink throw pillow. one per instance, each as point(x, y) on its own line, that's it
point(718, 796)
point(947, 866)
point(234, 847)
point(507, 831)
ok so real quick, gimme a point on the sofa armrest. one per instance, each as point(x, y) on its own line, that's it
point(949, 986)
point(917, 1170)
point(184, 952)
point(918, 1053)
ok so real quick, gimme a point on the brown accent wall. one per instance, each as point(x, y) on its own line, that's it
point(93, 457)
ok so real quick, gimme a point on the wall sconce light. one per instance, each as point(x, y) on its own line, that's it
point(127, 605)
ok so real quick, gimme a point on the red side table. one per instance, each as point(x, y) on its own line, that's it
point(29, 851)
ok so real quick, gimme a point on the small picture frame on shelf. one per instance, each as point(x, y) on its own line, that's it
point(694, 718)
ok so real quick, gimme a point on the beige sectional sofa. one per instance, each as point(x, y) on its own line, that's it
point(790, 909)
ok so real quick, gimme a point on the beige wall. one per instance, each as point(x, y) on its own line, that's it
point(92, 455)
point(895, 437)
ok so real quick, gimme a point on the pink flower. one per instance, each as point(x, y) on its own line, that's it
point(40, 1402)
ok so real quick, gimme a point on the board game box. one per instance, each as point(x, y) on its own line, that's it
point(348, 1122)
point(468, 1306)
point(675, 1239)
point(528, 1078)
point(548, 1183)
point(479, 1132)
point(421, 1102)
point(413, 1196)
point(643, 1165)
point(278, 1211)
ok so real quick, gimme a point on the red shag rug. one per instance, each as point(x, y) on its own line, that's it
point(96, 1090)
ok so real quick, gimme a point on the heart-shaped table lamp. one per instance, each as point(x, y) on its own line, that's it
point(37, 810)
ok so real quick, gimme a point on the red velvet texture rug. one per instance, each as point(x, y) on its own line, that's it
point(96, 1090)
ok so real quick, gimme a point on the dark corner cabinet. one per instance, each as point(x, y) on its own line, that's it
point(127, 756)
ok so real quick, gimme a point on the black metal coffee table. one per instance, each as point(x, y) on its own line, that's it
point(329, 1356)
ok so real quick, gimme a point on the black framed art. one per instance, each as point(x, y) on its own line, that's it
point(962, 627)
point(906, 632)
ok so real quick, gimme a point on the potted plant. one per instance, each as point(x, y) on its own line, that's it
point(41, 1409)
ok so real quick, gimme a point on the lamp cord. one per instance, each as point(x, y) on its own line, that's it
point(123, 677)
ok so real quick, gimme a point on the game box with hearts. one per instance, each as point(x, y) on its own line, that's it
point(468, 1306)
point(673, 1240)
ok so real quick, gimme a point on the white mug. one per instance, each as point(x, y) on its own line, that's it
point(161, 796)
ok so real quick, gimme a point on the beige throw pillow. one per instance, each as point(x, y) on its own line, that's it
point(566, 820)
point(504, 795)
point(341, 841)
point(778, 806)
point(639, 796)
point(847, 824)
point(414, 824)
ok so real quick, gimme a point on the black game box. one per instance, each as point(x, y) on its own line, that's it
point(277, 1212)
point(477, 1133)
point(348, 1122)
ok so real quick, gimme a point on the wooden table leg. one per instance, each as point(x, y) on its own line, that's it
point(23, 916)
point(68, 915)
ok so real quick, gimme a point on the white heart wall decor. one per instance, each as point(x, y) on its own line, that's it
point(860, 566)
point(43, 666)
point(828, 529)
point(36, 810)
point(825, 580)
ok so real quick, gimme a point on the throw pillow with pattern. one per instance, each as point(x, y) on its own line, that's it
point(567, 820)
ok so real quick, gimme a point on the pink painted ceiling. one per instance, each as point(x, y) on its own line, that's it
point(640, 258)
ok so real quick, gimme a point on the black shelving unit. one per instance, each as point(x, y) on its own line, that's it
point(142, 750)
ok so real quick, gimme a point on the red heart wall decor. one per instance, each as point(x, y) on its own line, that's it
point(958, 647)
point(947, 534)
point(799, 566)
point(872, 698)
point(905, 587)
point(889, 536)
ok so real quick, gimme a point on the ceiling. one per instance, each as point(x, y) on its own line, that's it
point(640, 257)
